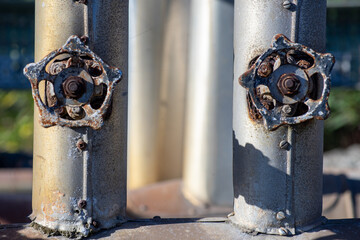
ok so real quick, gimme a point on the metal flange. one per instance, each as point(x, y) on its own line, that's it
point(288, 84)
point(77, 86)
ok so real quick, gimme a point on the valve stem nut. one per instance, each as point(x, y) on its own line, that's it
point(73, 87)
point(288, 84)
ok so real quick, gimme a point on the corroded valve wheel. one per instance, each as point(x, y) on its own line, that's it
point(288, 84)
point(72, 86)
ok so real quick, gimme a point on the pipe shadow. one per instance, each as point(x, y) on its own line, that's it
point(340, 229)
point(341, 184)
point(266, 192)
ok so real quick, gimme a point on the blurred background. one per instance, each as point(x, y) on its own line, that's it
point(342, 129)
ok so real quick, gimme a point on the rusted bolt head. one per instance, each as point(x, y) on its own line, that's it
point(283, 231)
point(303, 64)
point(287, 4)
point(288, 84)
point(74, 87)
point(82, 203)
point(95, 224)
point(280, 215)
point(265, 69)
point(286, 109)
point(75, 112)
point(61, 111)
point(84, 39)
point(81, 145)
point(95, 70)
point(57, 67)
point(284, 144)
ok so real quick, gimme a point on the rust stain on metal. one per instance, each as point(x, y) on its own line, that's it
point(81, 145)
point(82, 203)
point(78, 58)
point(288, 84)
point(85, 39)
point(74, 87)
point(306, 98)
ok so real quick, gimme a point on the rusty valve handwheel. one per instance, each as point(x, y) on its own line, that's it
point(288, 84)
point(72, 86)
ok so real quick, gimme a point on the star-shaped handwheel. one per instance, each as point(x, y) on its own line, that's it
point(72, 86)
point(288, 84)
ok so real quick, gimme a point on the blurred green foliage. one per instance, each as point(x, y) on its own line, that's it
point(342, 128)
point(16, 121)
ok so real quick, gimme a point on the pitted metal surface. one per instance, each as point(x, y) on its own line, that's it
point(207, 229)
point(281, 170)
point(288, 84)
point(76, 164)
point(79, 86)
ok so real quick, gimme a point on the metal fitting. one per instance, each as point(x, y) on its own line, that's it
point(303, 64)
point(82, 203)
point(265, 69)
point(81, 145)
point(61, 111)
point(84, 39)
point(288, 84)
point(280, 215)
point(283, 231)
point(74, 87)
point(287, 4)
point(57, 67)
point(95, 70)
point(284, 144)
point(95, 224)
point(287, 110)
point(75, 112)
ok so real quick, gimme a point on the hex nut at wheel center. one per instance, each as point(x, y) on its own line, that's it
point(74, 87)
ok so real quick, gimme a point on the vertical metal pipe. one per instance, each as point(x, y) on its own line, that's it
point(276, 191)
point(76, 192)
point(108, 33)
point(207, 145)
point(158, 55)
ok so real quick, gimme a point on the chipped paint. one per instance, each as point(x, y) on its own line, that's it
point(53, 115)
point(282, 47)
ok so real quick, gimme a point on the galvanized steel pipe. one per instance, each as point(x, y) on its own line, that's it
point(79, 181)
point(207, 145)
point(278, 190)
point(157, 65)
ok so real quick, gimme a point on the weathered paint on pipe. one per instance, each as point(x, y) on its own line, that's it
point(277, 191)
point(157, 65)
point(207, 144)
point(63, 174)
